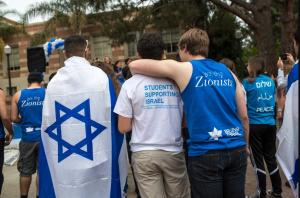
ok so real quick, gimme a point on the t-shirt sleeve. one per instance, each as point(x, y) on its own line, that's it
point(123, 106)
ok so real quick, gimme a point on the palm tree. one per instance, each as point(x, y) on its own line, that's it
point(62, 12)
point(6, 28)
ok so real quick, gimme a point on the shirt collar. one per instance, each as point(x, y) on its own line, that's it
point(76, 61)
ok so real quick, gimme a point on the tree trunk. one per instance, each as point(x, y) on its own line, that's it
point(264, 36)
point(287, 27)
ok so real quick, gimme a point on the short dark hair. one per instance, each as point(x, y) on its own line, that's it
point(151, 46)
point(35, 77)
point(75, 45)
point(229, 63)
point(195, 41)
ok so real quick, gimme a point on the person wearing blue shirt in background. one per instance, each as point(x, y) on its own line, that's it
point(260, 91)
point(26, 109)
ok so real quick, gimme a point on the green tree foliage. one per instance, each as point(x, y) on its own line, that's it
point(6, 28)
point(72, 13)
point(224, 30)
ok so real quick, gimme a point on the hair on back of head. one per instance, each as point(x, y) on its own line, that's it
point(151, 46)
point(110, 72)
point(35, 77)
point(230, 64)
point(196, 42)
point(75, 45)
point(257, 67)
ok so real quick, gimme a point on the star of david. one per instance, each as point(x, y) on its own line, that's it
point(65, 149)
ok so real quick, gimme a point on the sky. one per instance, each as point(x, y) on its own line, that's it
point(21, 6)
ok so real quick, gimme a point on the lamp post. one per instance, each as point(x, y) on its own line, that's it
point(7, 51)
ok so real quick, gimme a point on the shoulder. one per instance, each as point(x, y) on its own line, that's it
point(17, 95)
point(2, 94)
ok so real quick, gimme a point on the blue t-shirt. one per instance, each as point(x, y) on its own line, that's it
point(261, 100)
point(30, 107)
point(211, 110)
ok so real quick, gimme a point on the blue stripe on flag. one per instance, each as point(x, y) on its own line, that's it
point(117, 140)
point(46, 189)
point(293, 76)
point(295, 175)
point(49, 48)
point(59, 44)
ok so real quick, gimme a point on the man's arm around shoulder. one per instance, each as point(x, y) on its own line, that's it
point(180, 72)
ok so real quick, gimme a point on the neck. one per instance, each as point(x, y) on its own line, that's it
point(195, 57)
point(34, 85)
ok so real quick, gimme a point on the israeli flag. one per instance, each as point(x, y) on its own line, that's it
point(287, 153)
point(82, 154)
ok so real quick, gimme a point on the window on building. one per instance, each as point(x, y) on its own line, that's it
point(101, 47)
point(171, 38)
point(14, 59)
point(132, 44)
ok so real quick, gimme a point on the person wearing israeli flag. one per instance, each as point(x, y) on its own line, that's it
point(82, 153)
point(288, 135)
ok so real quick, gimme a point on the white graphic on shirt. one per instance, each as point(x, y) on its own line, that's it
point(29, 129)
point(232, 132)
point(265, 97)
point(263, 84)
point(215, 134)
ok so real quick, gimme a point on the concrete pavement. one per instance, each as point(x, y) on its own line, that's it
point(11, 184)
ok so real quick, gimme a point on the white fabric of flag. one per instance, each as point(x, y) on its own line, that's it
point(82, 153)
point(287, 153)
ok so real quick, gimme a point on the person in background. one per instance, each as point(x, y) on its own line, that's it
point(230, 64)
point(126, 71)
point(5, 138)
point(111, 74)
point(285, 63)
point(260, 91)
point(107, 60)
point(118, 71)
point(26, 109)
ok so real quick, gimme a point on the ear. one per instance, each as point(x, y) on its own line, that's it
point(185, 49)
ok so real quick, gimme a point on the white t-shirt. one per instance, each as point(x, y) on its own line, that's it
point(155, 107)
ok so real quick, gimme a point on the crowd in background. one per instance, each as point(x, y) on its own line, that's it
point(215, 161)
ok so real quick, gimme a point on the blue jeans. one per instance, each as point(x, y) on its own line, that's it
point(218, 174)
